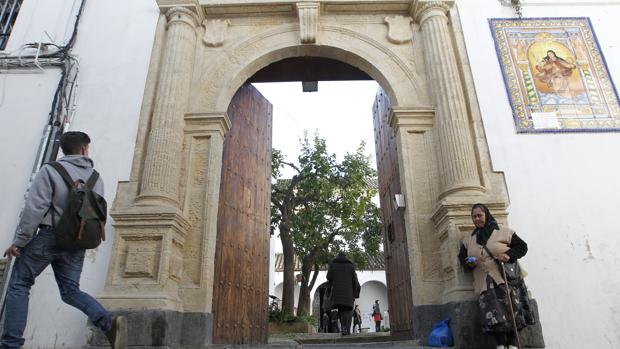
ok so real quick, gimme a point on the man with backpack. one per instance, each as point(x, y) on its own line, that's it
point(75, 190)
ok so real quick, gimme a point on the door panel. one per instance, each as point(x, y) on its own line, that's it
point(240, 294)
point(395, 236)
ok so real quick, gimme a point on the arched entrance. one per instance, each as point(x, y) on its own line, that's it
point(431, 150)
point(373, 291)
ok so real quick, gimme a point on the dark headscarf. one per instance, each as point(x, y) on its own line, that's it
point(490, 224)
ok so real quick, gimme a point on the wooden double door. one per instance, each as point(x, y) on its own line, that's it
point(398, 275)
point(240, 298)
point(240, 294)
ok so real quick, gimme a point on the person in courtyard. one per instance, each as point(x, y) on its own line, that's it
point(357, 319)
point(325, 322)
point(34, 248)
point(376, 315)
point(480, 252)
point(342, 277)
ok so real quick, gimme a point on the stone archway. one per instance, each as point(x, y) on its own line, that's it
point(162, 269)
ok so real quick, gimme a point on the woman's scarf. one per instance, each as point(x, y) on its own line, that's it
point(483, 234)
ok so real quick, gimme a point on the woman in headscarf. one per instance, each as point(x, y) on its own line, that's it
point(503, 245)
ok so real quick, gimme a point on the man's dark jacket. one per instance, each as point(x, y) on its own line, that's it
point(343, 279)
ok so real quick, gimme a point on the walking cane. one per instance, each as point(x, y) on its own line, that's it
point(8, 268)
point(512, 312)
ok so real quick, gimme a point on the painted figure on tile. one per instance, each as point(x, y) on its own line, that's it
point(554, 71)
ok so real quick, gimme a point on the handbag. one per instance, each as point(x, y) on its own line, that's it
point(511, 270)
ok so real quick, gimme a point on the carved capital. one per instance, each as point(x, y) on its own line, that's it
point(412, 119)
point(194, 5)
point(308, 13)
point(424, 10)
point(215, 31)
point(399, 29)
point(179, 14)
point(197, 123)
point(459, 213)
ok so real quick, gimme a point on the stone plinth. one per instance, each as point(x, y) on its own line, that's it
point(466, 326)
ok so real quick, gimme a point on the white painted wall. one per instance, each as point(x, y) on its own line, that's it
point(371, 291)
point(563, 188)
point(114, 44)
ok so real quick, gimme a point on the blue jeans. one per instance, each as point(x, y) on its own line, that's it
point(67, 266)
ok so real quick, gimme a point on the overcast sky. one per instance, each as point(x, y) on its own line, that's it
point(340, 111)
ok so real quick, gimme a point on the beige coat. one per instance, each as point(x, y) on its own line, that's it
point(498, 243)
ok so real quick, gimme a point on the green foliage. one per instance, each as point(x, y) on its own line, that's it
point(278, 315)
point(516, 5)
point(326, 206)
point(328, 199)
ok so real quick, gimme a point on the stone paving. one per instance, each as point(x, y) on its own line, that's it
point(333, 340)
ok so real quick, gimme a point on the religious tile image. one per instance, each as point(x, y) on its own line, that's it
point(555, 75)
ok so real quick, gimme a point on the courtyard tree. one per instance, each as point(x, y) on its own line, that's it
point(324, 207)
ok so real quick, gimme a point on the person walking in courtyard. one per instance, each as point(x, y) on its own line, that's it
point(357, 319)
point(342, 278)
point(480, 252)
point(325, 322)
point(48, 198)
point(376, 315)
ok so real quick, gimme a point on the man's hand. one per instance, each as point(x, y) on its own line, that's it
point(12, 251)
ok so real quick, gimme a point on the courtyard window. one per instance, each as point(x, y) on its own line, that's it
point(8, 13)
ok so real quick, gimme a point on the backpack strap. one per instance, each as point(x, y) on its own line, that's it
point(62, 172)
point(92, 180)
point(66, 178)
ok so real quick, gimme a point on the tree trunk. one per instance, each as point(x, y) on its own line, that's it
point(288, 289)
point(303, 304)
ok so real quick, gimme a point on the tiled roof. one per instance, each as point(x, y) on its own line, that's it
point(374, 263)
point(371, 182)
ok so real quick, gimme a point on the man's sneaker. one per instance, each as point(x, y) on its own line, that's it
point(117, 334)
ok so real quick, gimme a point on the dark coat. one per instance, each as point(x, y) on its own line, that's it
point(342, 278)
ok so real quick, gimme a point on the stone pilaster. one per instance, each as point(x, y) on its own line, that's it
point(458, 170)
point(453, 222)
point(204, 143)
point(418, 182)
point(160, 185)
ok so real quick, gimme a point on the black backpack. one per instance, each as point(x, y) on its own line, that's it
point(82, 223)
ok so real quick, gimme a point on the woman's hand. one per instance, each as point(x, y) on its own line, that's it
point(471, 262)
point(503, 258)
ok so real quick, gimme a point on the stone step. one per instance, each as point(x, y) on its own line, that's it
point(374, 345)
point(294, 345)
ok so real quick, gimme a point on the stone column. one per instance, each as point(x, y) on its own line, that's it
point(148, 261)
point(458, 170)
point(160, 179)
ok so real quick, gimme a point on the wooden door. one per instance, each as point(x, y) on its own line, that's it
point(240, 294)
point(395, 236)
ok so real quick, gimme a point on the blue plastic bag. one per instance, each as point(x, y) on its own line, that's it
point(441, 335)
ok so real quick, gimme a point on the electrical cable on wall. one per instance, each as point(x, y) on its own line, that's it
point(63, 104)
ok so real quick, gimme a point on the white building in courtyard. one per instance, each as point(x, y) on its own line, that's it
point(371, 279)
